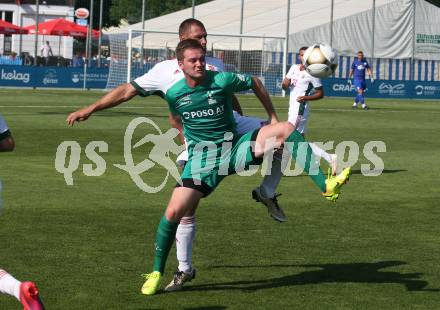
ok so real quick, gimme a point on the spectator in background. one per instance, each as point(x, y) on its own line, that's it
point(27, 59)
point(77, 60)
point(46, 52)
point(13, 56)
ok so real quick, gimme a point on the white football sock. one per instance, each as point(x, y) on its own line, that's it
point(185, 235)
point(271, 181)
point(317, 151)
point(9, 285)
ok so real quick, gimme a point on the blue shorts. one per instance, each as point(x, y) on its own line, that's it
point(358, 84)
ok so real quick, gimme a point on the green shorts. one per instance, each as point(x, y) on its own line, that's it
point(208, 164)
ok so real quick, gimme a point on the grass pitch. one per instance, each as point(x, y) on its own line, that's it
point(85, 245)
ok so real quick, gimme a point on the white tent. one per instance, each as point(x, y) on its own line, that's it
point(261, 18)
point(310, 23)
point(398, 33)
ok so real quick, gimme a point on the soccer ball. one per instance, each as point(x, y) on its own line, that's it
point(320, 60)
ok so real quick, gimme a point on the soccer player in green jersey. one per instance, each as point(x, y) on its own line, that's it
point(203, 101)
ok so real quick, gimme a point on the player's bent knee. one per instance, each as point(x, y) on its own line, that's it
point(286, 129)
point(183, 201)
point(172, 214)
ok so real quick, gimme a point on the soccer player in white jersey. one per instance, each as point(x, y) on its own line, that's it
point(301, 86)
point(7, 143)
point(304, 88)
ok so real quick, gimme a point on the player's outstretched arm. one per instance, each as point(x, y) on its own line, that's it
point(286, 83)
point(118, 95)
point(318, 94)
point(262, 94)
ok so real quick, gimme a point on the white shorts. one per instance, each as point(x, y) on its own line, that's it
point(298, 115)
point(3, 126)
point(182, 158)
point(244, 124)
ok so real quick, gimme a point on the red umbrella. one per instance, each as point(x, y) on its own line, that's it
point(61, 27)
point(8, 28)
point(81, 31)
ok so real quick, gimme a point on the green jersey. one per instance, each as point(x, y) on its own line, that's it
point(206, 110)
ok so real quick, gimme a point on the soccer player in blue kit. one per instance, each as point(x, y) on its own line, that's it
point(358, 68)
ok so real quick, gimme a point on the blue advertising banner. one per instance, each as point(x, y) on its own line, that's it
point(55, 77)
point(385, 89)
point(61, 77)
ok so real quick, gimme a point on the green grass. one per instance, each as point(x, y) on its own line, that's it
point(85, 245)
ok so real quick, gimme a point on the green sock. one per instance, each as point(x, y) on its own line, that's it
point(166, 233)
point(306, 161)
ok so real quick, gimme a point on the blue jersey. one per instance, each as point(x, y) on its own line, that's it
point(359, 67)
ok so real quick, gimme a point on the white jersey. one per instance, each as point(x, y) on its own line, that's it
point(301, 83)
point(165, 74)
point(46, 51)
point(3, 126)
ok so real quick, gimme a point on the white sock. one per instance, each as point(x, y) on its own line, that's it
point(185, 235)
point(9, 285)
point(355, 104)
point(270, 182)
point(363, 105)
point(317, 151)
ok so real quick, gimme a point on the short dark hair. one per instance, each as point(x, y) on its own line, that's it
point(303, 48)
point(187, 23)
point(360, 52)
point(187, 44)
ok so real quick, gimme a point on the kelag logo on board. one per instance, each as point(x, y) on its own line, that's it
point(392, 90)
point(15, 76)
